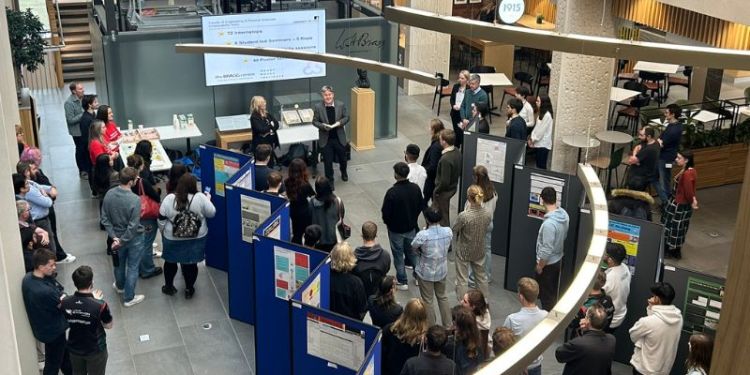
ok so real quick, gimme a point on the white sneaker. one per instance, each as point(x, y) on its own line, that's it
point(409, 267)
point(119, 291)
point(41, 366)
point(138, 298)
point(68, 259)
point(400, 286)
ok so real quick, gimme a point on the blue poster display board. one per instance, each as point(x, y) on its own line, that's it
point(371, 366)
point(328, 343)
point(246, 211)
point(217, 167)
point(280, 269)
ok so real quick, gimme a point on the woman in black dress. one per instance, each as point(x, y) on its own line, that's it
point(298, 189)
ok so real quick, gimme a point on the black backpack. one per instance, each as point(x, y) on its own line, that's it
point(186, 223)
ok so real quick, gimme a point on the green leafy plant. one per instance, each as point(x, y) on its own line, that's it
point(540, 18)
point(26, 42)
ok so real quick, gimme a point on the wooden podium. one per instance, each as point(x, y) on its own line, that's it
point(363, 119)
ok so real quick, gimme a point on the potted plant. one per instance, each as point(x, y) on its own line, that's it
point(539, 18)
point(26, 42)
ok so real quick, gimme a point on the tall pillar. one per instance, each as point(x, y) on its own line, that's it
point(17, 348)
point(428, 51)
point(580, 84)
point(732, 346)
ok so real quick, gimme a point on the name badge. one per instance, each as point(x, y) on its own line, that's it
point(668, 165)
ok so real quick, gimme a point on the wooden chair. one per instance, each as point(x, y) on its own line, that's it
point(442, 89)
point(633, 112)
point(653, 82)
point(620, 76)
point(681, 81)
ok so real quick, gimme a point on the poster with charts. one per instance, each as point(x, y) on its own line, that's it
point(334, 342)
point(311, 295)
point(224, 168)
point(491, 154)
point(291, 269)
point(627, 235)
point(538, 183)
point(702, 308)
point(253, 212)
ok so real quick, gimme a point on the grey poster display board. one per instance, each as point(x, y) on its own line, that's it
point(527, 215)
point(642, 240)
point(499, 155)
point(699, 297)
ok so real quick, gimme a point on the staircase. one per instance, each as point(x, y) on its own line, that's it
point(77, 62)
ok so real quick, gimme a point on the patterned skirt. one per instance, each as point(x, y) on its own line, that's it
point(676, 220)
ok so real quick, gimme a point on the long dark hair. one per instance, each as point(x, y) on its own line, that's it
point(297, 178)
point(688, 156)
point(186, 185)
point(102, 172)
point(178, 169)
point(144, 149)
point(477, 302)
point(482, 178)
point(466, 330)
point(103, 113)
point(324, 191)
point(545, 106)
point(384, 297)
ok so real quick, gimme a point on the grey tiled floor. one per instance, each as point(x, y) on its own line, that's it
point(180, 340)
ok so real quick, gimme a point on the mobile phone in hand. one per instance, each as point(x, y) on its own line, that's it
point(207, 190)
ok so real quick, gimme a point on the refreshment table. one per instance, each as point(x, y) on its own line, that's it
point(159, 159)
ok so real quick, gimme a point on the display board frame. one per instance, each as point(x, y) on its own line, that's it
point(648, 270)
point(241, 264)
point(679, 278)
point(273, 321)
point(216, 240)
point(524, 229)
point(514, 154)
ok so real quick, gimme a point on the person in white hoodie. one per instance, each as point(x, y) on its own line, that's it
point(657, 335)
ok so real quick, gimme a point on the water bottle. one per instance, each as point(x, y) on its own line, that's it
point(130, 125)
point(175, 121)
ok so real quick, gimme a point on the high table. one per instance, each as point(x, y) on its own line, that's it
point(656, 67)
point(159, 159)
point(494, 79)
point(238, 127)
point(580, 142)
point(613, 138)
point(170, 132)
point(618, 94)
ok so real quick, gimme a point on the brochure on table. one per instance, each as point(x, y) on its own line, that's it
point(247, 210)
point(218, 166)
point(281, 268)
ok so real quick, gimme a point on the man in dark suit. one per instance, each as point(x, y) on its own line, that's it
point(331, 118)
point(592, 352)
point(473, 95)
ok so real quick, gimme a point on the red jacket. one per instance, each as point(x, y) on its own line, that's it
point(686, 187)
point(96, 148)
point(112, 133)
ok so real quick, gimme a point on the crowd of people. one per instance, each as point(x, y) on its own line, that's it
point(134, 209)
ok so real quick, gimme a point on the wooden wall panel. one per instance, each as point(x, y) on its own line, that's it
point(700, 27)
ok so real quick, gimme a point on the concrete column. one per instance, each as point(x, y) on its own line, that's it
point(17, 348)
point(428, 51)
point(579, 85)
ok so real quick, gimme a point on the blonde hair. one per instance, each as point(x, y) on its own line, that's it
point(528, 288)
point(342, 257)
point(475, 194)
point(411, 326)
point(465, 73)
point(255, 104)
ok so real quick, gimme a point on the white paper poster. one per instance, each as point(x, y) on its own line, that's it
point(539, 182)
point(331, 341)
point(253, 212)
point(491, 154)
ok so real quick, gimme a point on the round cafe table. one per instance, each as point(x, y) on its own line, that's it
point(580, 142)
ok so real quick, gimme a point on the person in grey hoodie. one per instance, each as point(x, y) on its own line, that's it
point(372, 262)
point(549, 248)
point(657, 335)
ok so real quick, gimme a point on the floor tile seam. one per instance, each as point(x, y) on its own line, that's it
point(234, 331)
point(182, 338)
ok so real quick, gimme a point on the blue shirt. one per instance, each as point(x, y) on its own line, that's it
point(432, 247)
point(524, 321)
point(670, 139)
point(38, 202)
